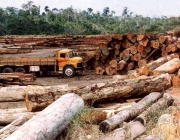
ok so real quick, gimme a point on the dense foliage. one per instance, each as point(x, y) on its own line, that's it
point(29, 20)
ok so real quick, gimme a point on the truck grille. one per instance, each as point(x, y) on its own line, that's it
point(79, 65)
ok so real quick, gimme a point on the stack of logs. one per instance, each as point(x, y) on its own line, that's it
point(133, 51)
point(109, 53)
point(16, 78)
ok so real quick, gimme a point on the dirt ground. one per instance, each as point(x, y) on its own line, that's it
point(83, 79)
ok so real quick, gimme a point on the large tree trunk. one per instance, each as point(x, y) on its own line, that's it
point(169, 67)
point(49, 123)
point(38, 97)
point(131, 113)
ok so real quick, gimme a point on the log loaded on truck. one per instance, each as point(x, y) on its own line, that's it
point(65, 62)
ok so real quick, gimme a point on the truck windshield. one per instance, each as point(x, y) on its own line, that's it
point(72, 54)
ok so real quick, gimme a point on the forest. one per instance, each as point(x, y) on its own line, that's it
point(29, 20)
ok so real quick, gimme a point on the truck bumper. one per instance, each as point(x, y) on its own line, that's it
point(78, 70)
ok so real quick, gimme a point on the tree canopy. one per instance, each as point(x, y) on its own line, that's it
point(29, 20)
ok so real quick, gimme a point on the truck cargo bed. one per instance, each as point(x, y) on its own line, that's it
point(27, 61)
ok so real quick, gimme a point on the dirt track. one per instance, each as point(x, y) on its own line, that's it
point(86, 78)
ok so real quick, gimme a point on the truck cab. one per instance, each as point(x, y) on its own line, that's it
point(68, 62)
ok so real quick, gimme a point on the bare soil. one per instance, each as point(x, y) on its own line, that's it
point(83, 79)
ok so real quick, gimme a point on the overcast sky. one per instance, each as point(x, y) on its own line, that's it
point(142, 7)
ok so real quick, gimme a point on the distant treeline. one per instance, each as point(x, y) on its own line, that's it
point(29, 20)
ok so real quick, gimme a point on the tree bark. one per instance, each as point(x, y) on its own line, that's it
point(38, 97)
point(129, 114)
point(49, 123)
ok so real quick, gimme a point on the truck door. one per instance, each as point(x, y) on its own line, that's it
point(63, 60)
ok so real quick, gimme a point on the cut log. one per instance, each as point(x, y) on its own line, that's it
point(8, 118)
point(117, 52)
point(12, 105)
point(142, 63)
point(39, 97)
point(122, 64)
point(130, 66)
point(131, 37)
point(118, 36)
point(155, 44)
point(12, 94)
point(153, 65)
point(164, 53)
point(143, 70)
point(144, 42)
point(131, 113)
point(178, 44)
point(137, 57)
point(126, 57)
point(51, 121)
point(140, 48)
point(140, 37)
point(99, 114)
point(113, 64)
point(130, 131)
point(9, 129)
point(121, 55)
point(117, 46)
point(126, 51)
point(147, 49)
point(109, 70)
point(168, 48)
point(144, 54)
point(162, 39)
point(133, 49)
point(168, 67)
point(163, 47)
point(102, 46)
point(162, 103)
point(105, 52)
point(100, 70)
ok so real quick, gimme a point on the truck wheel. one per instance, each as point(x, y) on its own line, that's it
point(20, 70)
point(69, 71)
point(7, 70)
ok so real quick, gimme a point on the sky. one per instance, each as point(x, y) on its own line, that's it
point(152, 8)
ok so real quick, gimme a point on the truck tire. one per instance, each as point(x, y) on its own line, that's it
point(20, 70)
point(7, 70)
point(69, 71)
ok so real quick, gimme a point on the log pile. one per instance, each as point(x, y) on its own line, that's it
point(16, 78)
point(108, 53)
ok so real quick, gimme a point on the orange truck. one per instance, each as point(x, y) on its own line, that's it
point(65, 62)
